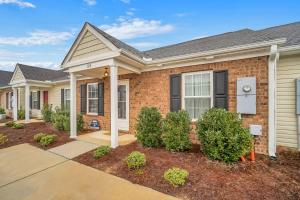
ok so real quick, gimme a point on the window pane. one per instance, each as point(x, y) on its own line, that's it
point(201, 106)
point(122, 110)
point(93, 105)
point(67, 104)
point(189, 85)
point(93, 91)
point(197, 84)
point(67, 94)
point(189, 106)
point(205, 85)
point(121, 93)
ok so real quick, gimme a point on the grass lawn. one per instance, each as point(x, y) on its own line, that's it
point(264, 179)
point(25, 135)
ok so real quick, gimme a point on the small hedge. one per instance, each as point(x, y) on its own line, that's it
point(47, 140)
point(176, 128)
point(148, 127)
point(47, 113)
point(3, 138)
point(222, 135)
point(10, 124)
point(61, 120)
point(2, 111)
point(18, 126)
point(135, 160)
point(176, 176)
point(21, 114)
point(38, 137)
point(101, 151)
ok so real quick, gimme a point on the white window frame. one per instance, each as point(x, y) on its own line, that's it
point(32, 100)
point(65, 99)
point(211, 89)
point(87, 99)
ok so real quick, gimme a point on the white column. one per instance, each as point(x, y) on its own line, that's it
point(27, 103)
point(273, 59)
point(15, 104)
point(73, 114)
point(114, 105)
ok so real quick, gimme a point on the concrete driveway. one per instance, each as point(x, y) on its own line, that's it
point(30, 173)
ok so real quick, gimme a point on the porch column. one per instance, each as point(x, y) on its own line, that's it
point(15, 104)
point(114, 105)
point(73, 114)
point(27, 103)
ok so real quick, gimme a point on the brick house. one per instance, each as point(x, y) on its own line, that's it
point(110, 81)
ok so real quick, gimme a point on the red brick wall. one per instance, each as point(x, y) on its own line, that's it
point(152, 89)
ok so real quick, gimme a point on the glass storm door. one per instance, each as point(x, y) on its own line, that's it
point(123, 105)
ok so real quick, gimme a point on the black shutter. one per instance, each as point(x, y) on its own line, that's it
point(83, 99)
point(30, 103)
point(7, 96)
point(39, 100)
point(221, 89)
point(175, 92)
point(101, 99)
point(62, 98)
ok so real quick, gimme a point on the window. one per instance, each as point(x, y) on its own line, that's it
point(122, 101)
point(197, 93)
point(67, 99)
point(92, 98)
point(35, 100)
point(10, 100)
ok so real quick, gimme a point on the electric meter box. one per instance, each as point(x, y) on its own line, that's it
point(246, 95)
point(298, 96)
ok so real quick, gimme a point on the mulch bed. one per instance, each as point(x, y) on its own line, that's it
point(25, 135)
point(264, 179)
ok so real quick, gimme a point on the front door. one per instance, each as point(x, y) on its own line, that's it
point(123, 105)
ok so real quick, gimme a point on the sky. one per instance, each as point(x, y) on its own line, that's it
point(40, 32)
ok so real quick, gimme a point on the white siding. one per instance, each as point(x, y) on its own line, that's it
point(89, 45)
point(288, 71)
point(54, 94)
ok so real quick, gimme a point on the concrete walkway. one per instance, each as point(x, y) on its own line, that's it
point(30, 173)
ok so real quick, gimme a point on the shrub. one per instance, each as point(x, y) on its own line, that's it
point(47, 112)
point(101, 151)
point(9, 124)
point(61, 119)
point(2, 111)
point(176, 128)
point(148, 127)
point(21, 114)
point(80, 122)
point(38, 137)
point(222, 135)
point(176, 176)
point(3, 138)
point(47, 139)
point(135, 160)
point(18, 126)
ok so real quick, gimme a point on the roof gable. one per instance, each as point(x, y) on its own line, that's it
point(18, 75)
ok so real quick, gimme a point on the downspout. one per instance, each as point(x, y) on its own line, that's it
point(273, 59)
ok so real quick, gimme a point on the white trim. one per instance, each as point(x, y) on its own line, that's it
point(273, 59)
point(27, 103)
point(73, 106)
point(14, 102)
point(114, 105)
point(183, 88)
point(87, 99)
point(36, 92)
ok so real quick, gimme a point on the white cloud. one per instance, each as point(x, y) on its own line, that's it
point(144, 45)
point(133, 28)
point(10, 65)
point(126, 1)
point(20, 3)
point(90, 2)
point(183, 14)
point(39, 37)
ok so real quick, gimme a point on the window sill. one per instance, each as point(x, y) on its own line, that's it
point(92, 114)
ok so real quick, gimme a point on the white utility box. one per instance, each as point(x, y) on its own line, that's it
point(255, 129)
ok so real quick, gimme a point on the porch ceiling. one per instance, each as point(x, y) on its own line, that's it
point(99, 72)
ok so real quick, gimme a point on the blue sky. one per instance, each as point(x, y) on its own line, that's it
point(41, 32)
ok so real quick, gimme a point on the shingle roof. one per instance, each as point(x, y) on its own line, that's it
point(42, 74)
point(241, 37)
point(5, 77)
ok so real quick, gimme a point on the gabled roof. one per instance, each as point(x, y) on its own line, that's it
point(236, 38)
point(41, 74)
point(5, 77)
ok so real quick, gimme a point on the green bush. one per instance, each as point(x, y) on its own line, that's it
point(47, 112)
point(176, 129)
point(2, 111)
point(38, 137)
point(222, 135)
point(176, 176)
point(148, 127)
point(101, 151)
point(21, 114)
point(80, 122)
point(135, 160)
point(3, 138)
point(18, 126)
point(48, 139)
point(10, 124)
